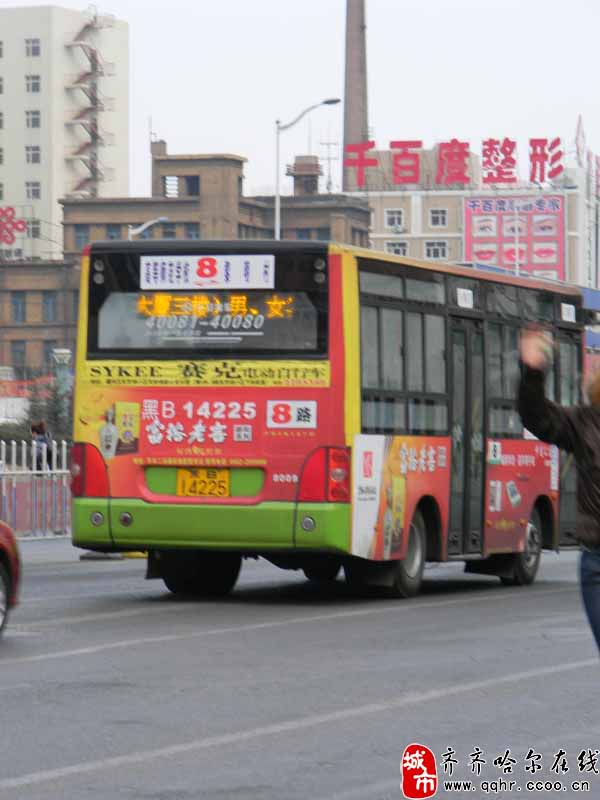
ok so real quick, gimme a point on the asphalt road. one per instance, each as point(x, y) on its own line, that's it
point(112, 688)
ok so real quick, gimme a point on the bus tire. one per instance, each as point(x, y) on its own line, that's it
point(200, 574)
point(525, 565)
point(322, 570)
point(408, 575)
point(218, 573)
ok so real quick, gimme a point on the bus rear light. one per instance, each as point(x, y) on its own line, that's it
point(338, 474)
point(326, 476)
point(89, 476)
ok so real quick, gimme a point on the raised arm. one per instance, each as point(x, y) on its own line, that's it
point(548, 421)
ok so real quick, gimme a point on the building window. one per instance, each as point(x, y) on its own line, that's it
point(192, 230)
point(33, 190)
point(303, 233)
point(49, 346)
point(1, 49)
point(147, 234)
point(33, 119)
point(192, 185)
point(397, 248)
point(33, 229)
point(169, 231)
point(17, 356)
point(1, 191)
point(438, 217)
point(436, 250)
point(1, 120)
point(32, 47)
point(1, 85)
point(82, 236)
point(394, 218)
point(170, 185)
point(323, 234)
point(1, 155)
point(49, 306)
point(33, 154)
point(33, 83)
point(18, 302)
point(75, 303)
point(113, 231)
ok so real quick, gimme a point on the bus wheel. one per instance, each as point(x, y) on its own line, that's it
point(323, 569)
point(408, 574)
point(526, 564)
point(207, 574)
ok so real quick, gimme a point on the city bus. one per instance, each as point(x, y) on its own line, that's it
point(321, 406)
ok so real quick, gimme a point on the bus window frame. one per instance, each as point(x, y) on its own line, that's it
point(132, 251)
point(406, 306)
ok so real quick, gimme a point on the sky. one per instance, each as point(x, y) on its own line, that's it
point(213, 77)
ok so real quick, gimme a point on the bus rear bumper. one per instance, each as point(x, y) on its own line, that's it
point(137, 525)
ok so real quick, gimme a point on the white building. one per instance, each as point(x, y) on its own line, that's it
point(64, 120)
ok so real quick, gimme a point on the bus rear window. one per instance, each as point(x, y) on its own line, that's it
point(286, 318)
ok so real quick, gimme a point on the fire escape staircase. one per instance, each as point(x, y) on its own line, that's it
point(84, 88)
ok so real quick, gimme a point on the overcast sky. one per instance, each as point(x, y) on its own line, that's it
point(214, 76)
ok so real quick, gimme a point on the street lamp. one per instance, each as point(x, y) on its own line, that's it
point(331, 101)
point(131, 231)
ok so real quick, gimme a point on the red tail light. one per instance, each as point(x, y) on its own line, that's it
point(338, 474)
point(326, 476)
point(89, 476)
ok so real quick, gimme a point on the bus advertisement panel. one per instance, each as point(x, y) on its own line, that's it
point(390, 475)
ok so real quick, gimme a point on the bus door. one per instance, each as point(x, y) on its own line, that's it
point(569, 383)
point(467, 479)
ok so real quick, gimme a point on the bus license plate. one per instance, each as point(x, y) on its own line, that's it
point(202, 483)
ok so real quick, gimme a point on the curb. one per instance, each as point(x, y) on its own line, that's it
point(93, 556)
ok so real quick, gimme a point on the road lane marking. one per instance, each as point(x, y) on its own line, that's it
point(255, 626)
point(290, 726)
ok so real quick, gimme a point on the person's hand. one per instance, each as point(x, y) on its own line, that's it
point(536, 348)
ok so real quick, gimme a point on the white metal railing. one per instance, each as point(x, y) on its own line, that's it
point(35, 488)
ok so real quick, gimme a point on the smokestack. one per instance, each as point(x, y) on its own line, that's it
point(356, 119)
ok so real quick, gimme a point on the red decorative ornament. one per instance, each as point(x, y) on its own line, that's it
point(9, 225)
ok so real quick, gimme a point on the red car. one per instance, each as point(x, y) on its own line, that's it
point(10, 572)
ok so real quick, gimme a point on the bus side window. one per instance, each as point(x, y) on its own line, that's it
point(435, 353)
point(503, 371)
point(414, 354)
point(392, 349)
point(569, 373)
point(495, 361)
point(510, 365)
point(369, 347)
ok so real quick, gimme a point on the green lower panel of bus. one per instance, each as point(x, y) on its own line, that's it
point(266, 526)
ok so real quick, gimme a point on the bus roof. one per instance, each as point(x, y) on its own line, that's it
point(234, 246)
point(468, 272)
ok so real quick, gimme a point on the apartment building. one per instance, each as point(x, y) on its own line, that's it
point(64, 120)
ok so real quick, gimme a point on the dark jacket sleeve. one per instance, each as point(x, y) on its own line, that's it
point(548, 421)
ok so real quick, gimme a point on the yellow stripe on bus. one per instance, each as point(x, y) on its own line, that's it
point(351, 344)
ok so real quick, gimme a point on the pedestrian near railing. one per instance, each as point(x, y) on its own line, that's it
point(35, 492)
